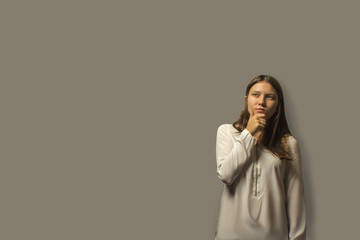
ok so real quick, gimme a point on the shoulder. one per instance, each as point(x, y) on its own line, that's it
point(293, 145)
point(228, 128)
point(288, 138)
point(224, 126)
point(292, 141)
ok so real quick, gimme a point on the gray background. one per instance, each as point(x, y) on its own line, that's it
point(110, 110)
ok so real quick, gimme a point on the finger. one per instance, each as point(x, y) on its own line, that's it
point(261, 115)
point(251, 112)
point(262, 120)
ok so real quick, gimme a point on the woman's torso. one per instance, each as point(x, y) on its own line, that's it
point(253, 206)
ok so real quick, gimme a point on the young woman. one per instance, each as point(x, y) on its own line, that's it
point(260, 164)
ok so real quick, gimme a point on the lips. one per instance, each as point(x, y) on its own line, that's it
point(260, 109)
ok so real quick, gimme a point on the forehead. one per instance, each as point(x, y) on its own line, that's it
point(263, 87)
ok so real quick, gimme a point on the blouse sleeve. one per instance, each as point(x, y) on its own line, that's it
point(295, 197)
point(232, 156)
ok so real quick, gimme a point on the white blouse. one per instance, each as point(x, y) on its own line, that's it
point(263, 196)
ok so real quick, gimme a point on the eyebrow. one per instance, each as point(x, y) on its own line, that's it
point(272, 93)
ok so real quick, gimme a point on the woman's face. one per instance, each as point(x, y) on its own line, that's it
point(262, 96)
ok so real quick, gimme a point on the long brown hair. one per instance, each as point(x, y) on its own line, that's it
point(276, 129)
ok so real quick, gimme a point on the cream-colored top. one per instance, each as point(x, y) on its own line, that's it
point(263, 196)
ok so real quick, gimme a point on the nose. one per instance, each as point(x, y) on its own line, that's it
point(262, 100)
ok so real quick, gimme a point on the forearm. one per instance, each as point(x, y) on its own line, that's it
point(232, 156)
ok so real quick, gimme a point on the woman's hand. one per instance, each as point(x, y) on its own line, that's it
point(256, 124)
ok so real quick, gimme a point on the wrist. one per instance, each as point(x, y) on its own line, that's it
point(250, 131)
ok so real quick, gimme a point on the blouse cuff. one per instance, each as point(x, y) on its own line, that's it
point(245, 136)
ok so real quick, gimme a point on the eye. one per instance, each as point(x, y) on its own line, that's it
point(255, 94)
point(271, 97)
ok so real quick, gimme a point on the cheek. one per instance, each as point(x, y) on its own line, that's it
point(272, 110)
point(250, 103)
